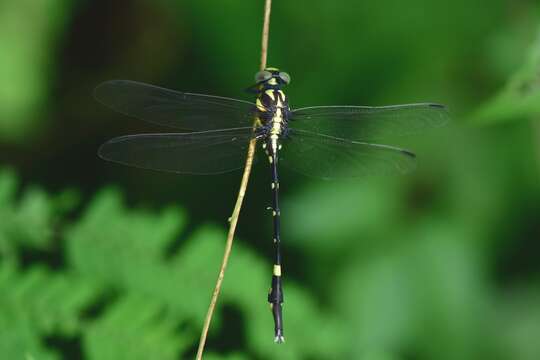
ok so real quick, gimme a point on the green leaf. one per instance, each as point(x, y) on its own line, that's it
point(21, 341)
point(520, 98)
point(31, 219)
point(135, 328)
point(51, 303)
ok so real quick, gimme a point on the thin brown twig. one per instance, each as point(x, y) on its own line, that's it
point(265, 32)
point(239, 200)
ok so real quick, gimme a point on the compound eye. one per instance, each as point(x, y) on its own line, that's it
point(286, 78)
point(262, 76)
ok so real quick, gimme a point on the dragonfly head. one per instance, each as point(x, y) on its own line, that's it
point(270, 78)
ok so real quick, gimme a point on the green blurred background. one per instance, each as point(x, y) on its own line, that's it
point(101, 261)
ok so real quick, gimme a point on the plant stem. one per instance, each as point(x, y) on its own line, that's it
point(265, 33)
point(239, 200)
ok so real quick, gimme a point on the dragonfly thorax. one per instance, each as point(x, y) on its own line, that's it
point(272, 105)
point(273, 112)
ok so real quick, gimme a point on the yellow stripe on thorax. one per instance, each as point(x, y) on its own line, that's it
point(260, 105)
point(270, 93)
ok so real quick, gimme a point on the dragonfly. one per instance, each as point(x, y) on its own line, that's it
point(212, 134)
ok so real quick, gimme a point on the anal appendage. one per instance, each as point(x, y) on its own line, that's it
point(275, 298)
point(279, 339)
point(278, 321)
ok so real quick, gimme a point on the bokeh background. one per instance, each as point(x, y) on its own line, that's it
point(101, 261)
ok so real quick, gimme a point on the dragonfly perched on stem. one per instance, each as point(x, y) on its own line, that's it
point(311, 140)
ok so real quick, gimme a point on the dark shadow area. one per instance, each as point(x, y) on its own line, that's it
point(69, 348)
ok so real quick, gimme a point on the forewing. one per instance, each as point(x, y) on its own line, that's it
point(208, 152)
point(328, 157)
point(173, 108)
point(369, 123)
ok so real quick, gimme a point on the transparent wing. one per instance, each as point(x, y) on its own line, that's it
point(369, 123)
point(329, 157)
point(173, 108)
point(208, 152)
